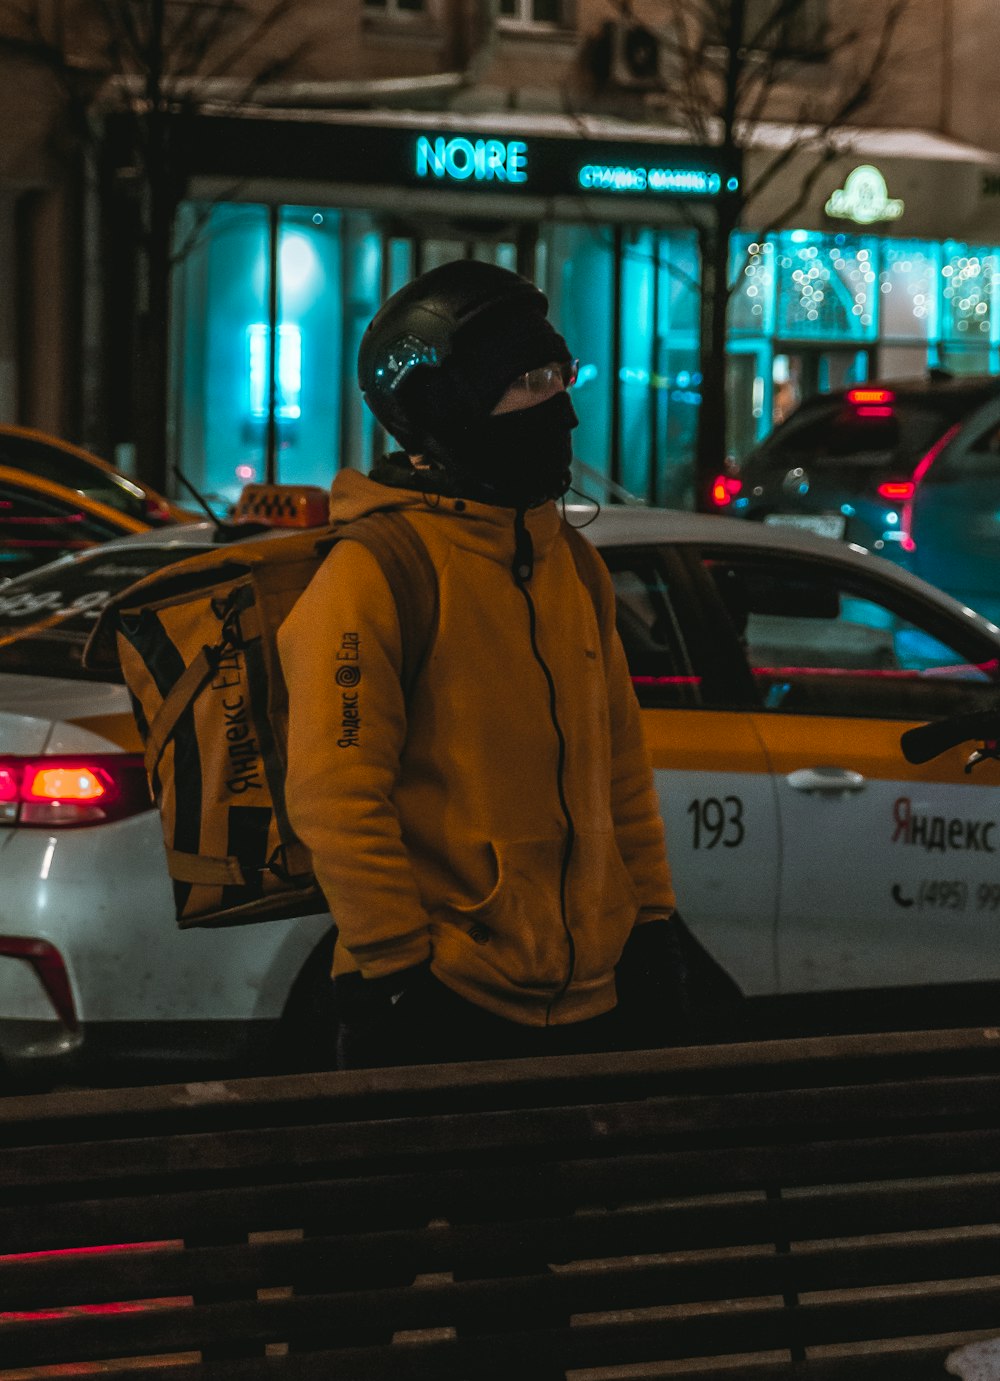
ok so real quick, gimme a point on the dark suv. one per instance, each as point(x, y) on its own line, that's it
point(909, 469)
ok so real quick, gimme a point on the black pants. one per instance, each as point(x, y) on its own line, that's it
point(430, 1024)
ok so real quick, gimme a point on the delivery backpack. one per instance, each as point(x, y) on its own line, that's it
point(197, 646)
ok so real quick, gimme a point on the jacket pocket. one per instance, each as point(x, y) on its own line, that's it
point(518, 928)
point(603, 904)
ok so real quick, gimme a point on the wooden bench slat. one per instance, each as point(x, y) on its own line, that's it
point(456, 1193)
point(838, 1292)
point(792, 1115)
point(817, 1062)
point(823, 1209)
point(752, 1325)
point(338, 1263)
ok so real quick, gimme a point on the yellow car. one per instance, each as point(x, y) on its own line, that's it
point(41, 519)
point(776, 671)
point(49, 458)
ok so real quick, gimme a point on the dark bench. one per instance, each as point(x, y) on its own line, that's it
point(822, 1208)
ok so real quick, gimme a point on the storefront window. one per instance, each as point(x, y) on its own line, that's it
point(908, 282)
point(580, 279)
point(826, 286)
point(658, 373)
point(310, 329)
point(221, 294)
point(971, 277)
point(261, 383)
point(751, 272)
point(638, 390)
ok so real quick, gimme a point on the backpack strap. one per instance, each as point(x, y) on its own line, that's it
point(406, 564)
point(592, 573)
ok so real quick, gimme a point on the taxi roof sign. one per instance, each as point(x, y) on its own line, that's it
point(283, 505)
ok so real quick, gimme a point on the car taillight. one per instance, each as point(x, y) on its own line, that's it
point(897, 491)
point(156, 512)
point(724, 489)
point(80, 790)
point(878, 397)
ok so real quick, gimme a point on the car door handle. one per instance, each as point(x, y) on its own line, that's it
point(825, 779)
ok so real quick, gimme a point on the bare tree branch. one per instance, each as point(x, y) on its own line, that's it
point(257, 37)
point(823, 141)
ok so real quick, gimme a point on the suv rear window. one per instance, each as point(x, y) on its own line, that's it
point(46, 616)
point(891, 437)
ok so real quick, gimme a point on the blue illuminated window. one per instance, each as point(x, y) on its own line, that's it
point(908, 289)
point(970, 273)
point(751, 271)
point(827, 286)
point(288, 381)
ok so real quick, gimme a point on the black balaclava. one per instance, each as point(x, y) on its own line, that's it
point(514, 459)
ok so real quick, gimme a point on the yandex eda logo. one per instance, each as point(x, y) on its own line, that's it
point(481, 160)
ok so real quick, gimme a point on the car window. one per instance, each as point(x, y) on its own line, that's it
point(47, 616)
point(62, 467)
point(822, 641)
point(974, 454)
point(834, 432)
point(650, 627)
point(35, 529)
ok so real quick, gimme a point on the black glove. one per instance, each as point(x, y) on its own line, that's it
point(672, 992)
point(369, 1031)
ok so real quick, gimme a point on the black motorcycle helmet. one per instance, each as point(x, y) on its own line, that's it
point(440, 353)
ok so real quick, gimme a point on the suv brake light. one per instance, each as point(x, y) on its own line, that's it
point(80, 790)
point(896, 491)
point(870, 396)
point(724, 489)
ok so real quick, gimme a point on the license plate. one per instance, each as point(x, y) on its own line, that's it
point(823, 524)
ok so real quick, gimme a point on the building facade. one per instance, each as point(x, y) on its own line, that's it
point(548, 136)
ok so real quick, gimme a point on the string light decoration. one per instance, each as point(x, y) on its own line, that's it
point(970, 277)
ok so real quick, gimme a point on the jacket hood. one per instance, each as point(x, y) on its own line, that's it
point(485, 528)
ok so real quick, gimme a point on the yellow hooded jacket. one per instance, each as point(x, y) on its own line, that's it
point(503, 823)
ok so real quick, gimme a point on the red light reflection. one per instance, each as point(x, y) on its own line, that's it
point(919, 470)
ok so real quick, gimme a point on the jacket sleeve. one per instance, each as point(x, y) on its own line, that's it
point(341, 657)
point(635, 807)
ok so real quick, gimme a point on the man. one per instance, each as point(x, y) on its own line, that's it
point(490, 843)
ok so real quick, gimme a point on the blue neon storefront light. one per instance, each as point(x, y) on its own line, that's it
point(288, 371)
point(605, 177)
point(556, 166)
point(481, 160)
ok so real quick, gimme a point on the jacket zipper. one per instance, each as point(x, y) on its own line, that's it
point(524, 561)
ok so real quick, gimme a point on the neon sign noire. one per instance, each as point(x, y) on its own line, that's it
point(473, 162)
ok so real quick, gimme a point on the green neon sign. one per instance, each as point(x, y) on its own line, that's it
point(864, 198)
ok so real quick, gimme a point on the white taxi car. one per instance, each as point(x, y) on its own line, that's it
point(776, 671)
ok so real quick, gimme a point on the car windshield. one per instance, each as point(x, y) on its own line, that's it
point(47, 615)
point(63, 467)
point(891, 437)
